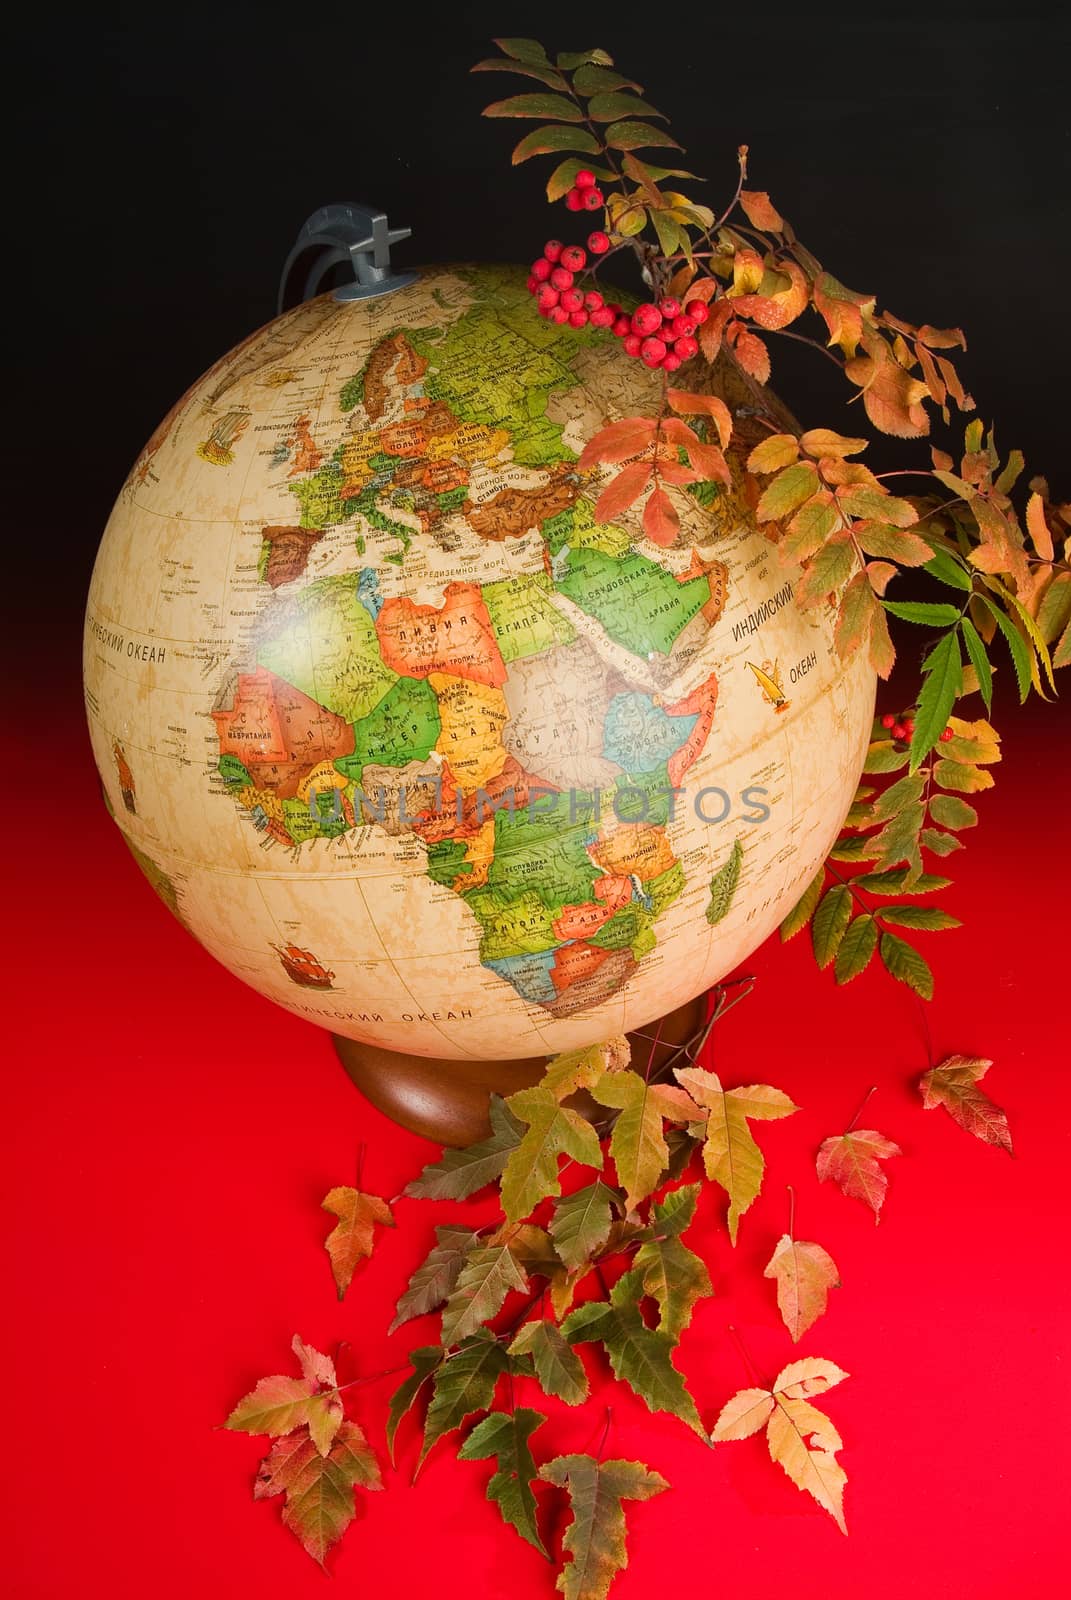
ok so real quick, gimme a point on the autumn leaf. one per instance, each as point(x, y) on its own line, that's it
point(792, 486)
point(531, 1171)
point(890, 395)
point(318, 1488)
point(580, 1224)
point(505, 1436)
point(623, 491)
point(954, 1085)
point(462, 1384)
point(800, 1438)
point(760, 211)
point(350, 1241)
point(433, 1281)
point(637, 1142)
point(661, 523)
point(851, 1160)
point(558, 1368)
point(595, 1538)
point(617, 442)
point(459, 1173)
point(805, 1274)
point(803, 910)
point(424, 1360)
point(779, 450)
point(639, 1355)
point(487, 1277)
point(673, 1275)
point(730, 1155)
point(579, 1069)
point(279, 1404)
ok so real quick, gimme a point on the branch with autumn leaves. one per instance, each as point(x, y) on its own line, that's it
point(1002, 573)
point(589, 1234)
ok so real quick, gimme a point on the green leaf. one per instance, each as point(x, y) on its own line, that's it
point(609, 107)
point(979, 660)
point(926, 918)
point(1054, 612)
point(595, 1539)
point(531, 1171)
point(803, 910)
point(853, 848)
point(318, 1487)
point(942, 844)
point(558, 1368)
point(1035, 641)
point(783, 494)
point(883, 756)
point(899, 839)
point(638, 136)
point(463, 1384)
point(637, 1142)
point(569, 60)
point(863, 500)
point(563, 178)
point(553, 137)
point(723, 884)
point(433, 1281)
point(952, 812)
point(904, 792)
point(639, 1355)
point(589, 80)
point(816, 521)
point(277, 1405)
point(827, 570)
point(904, 963)
point(525, 69)
point(930, 616)
point(581, 1224)
point(856, 948)
point(536, 106)
point(505, 1436)
point(527, 50)
point(895, 881)
point(731, 1157)
point(829, 922)
point(424, 1361)
point(940, 690)
point(1017, 645)
point(459, 1173)
point(487, 1277)
point(946, 569)
point(962, 777)
point(672, 1274)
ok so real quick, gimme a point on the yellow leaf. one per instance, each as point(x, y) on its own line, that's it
point(730, 1155)
point(805, 1274)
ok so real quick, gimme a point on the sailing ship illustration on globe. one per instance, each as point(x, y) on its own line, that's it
point(302, 967)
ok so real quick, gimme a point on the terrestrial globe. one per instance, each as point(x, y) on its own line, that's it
point(409, 739)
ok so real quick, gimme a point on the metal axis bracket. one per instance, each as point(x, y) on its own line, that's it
point(347, 233)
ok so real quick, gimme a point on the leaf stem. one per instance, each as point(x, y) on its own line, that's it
point(862, 1108)
point(749, 1365)
point(791, 1211)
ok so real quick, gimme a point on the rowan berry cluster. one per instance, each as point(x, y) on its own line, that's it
point(903, 727)
point(585, 195)
point(660, 335)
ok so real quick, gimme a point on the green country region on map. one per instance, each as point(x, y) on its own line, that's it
point(554, 865)
point(512, 925)
point(522, 617)
point(325, 645)
point(641, 797)
point(402, 727)
point(576, 528)
point(447, 861)
point(639, 603)
point(329, 823)
point(623, 928)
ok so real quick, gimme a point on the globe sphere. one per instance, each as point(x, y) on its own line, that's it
point(408, 738)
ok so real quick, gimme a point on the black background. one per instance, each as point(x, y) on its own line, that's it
point(171, 152)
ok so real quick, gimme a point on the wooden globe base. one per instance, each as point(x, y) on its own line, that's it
point(447, 1100)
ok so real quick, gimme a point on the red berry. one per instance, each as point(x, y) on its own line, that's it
point(682, 327)
point(670, 362)
point(669, 307)
point(561, 278)
point(578, 319)
point(887, 720)
point(541, 269)
point(899, 731)
point(646, 318)
point(632, 344)
point(533, 285)
point(946, 735)
point(572, 300)
point(622, 326)
point(584, 179)
point(652, 350)
point(593, 200)
point(574, 200)
point(598, 243)
point(698, 310)
point(547, 296)
point(617, 310)
point(574, 258)
point(685, 347)
point(559, 314)
point(553, 249)
point(593, 300)
point(909, 726)
point(603, 317)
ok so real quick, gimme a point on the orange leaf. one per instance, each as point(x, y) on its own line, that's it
point(851, 1161)
point(1038, 528)
point(760, 211)
point(617, 442)
point(779, 450)
point(748, 272)
point(778, 310)
point(351, 1240)
point(953, 1085)
point(941, 338)
point(882, 649)
point(703, 405)
point(626, 487)
point(881, 574)
point(823, 442)
point(891, 395)
point(678, 432)
point(805, 1274)
point(661, 523)
point(709, 462)
point(677, 472)
point(751, 354)
point(842, 311)
point(710, 334)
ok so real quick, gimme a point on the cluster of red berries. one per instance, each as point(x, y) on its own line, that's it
point(661, 335)
point(585, 195)
point(903, 727)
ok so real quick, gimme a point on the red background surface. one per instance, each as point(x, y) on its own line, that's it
point(170, 1136)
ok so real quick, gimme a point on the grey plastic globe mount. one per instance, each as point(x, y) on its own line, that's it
point(344, 233)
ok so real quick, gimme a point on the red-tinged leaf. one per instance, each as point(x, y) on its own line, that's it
point(625, 489)
point(855, 616)
point(540, 107)
point(953, 385)
point(661, 523)
point(676, 472)
point(595, 1537)
point(783, 494)
point(589, 80)
point(805, 1274)
point(709, 462)
point(712, 331)
point(776, 310)
point(563, 178)
point(890, 395)
point(617, 442)
point(277, 1405)
point(751, 354)
point(678, 432)
point(760, 211)
point(319, 1489)
point(530, 51)
point(703, 405)
point(816, 521)
point(882, 650)
point(941, 338)
point(1038, 528)
point(613, 105)
point(954, 1085)
point(524, 69)
point(638, 136)
point(704, 290)
point(881, 574)
point(851, 1161)
point(552, 138)
point(351, 1240)
point(941, 459)
point(934, 381)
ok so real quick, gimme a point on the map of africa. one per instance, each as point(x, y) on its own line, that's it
point(408, 739)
